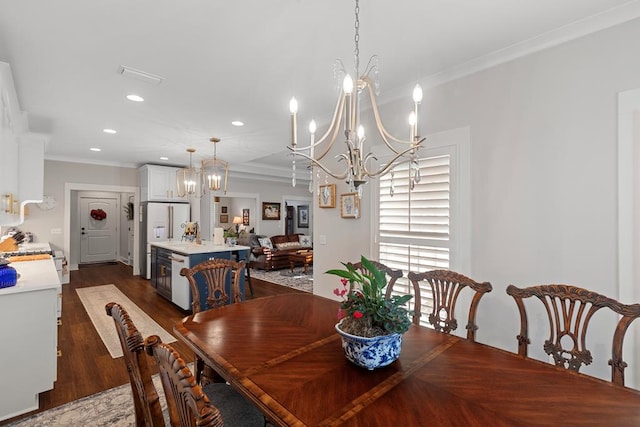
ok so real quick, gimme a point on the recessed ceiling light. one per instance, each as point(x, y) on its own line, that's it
point(95, 149)
point(135, 98)
point(237, 123)
point(109, 131)
point(164, 158)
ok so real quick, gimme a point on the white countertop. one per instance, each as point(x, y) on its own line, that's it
point(189, 248)
point(34, 276)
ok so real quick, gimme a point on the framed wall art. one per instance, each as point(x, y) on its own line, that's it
point(349, 205)
point(245, 216)
point(224, 209)
point(303, 216)
point(327, 196)
point(270, 211)
point(224, 218)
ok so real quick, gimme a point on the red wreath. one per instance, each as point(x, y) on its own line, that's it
point(98, 214)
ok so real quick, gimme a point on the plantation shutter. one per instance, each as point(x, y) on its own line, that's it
point(414, 226)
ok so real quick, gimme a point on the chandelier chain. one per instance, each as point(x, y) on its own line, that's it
point(356, 38)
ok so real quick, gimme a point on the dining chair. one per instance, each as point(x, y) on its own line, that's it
point(189, 404)
point(569, 311)
point(215, 273)
point(445, 287)
point(392, 275)
point(145, 398)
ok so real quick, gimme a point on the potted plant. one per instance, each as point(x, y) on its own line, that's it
point(371, 325)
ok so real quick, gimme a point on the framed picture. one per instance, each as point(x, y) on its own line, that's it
point(327, 196)
point(224, 209)
point(270, 211)
point(349, 205)
point(224, 218)
point(303, 216)
point(245, 216)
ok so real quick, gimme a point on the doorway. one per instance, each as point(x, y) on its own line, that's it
point(99, 236)
point(298, 215)
point(71, 219)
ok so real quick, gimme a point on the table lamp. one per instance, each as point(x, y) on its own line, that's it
point(237, 220)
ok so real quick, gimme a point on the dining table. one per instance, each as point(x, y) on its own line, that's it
point(283, 353)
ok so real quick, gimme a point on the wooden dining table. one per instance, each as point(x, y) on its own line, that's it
point(283, 354)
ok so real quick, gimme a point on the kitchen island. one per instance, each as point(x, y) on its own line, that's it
point(29, 313)
point(168, 258)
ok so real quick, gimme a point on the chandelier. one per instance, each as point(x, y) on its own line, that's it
point(189, 179)
point(347, 110)
point(215, 171)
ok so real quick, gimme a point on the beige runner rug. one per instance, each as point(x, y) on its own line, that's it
point(96, 297)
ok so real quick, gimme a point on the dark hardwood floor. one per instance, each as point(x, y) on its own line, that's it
point(85, 367)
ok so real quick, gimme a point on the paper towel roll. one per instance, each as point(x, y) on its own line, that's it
point(218, 236)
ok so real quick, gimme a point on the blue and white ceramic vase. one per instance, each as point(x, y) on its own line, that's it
point(371, 353)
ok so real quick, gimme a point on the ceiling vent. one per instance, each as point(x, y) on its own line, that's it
point(140, 75)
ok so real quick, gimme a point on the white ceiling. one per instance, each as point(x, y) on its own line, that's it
point(243, 60)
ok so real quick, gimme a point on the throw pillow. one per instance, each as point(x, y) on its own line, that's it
point(305, 241)
point(287, 245)
point(265, 242)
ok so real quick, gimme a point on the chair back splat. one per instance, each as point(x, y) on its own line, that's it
point(145, 398)
point(445, 287)
point(569, 311)
point(392, 277)
point(215, 273)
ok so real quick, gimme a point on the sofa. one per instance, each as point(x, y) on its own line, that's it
point(273, 253)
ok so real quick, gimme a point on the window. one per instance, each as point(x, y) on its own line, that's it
point(416, 229)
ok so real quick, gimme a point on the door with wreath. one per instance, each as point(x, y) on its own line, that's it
point(99, 218)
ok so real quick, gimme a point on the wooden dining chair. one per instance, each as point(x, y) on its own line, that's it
point(569, 311)
point(189, 404)
point(145, 398)
point(215, 273)
point(445, 287)
point(392, 275)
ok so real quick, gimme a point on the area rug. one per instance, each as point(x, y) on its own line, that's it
point(95, 298)
point(296, 280)
point(113, 407)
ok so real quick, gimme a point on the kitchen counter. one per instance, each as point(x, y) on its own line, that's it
point(168, 258)
point(34, 276)
point(29, 313)
point(189, 248)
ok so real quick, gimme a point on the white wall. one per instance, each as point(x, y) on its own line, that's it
point(543, 173)
point(56, 174)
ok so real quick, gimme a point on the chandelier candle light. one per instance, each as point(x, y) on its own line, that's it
point(347, 109)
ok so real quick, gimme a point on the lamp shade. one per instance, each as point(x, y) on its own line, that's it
point(237, 220)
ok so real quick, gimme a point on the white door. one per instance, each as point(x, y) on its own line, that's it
point(99, 218)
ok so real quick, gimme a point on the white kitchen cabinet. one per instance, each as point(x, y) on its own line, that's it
point(159, 184)
point(21, 155)
point(29, 315)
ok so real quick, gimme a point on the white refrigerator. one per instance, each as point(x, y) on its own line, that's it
point(161, 222)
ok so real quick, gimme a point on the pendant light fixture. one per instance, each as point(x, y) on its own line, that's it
point(215, 171)
point(189, 179)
